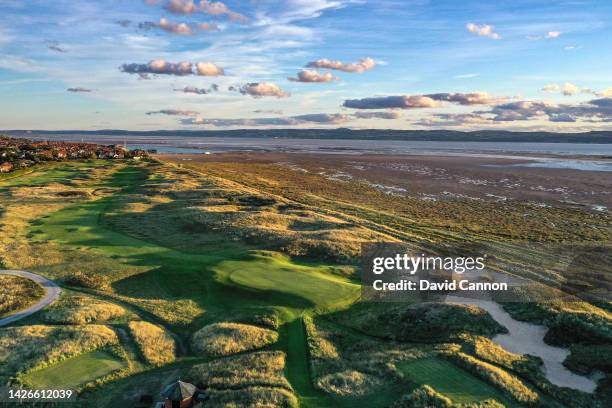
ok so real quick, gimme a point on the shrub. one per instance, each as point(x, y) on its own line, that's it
point(348, 383)
point(222, 339)
point(17, 293)
point(82, 310)
point(249, 380)
point(89, 280)
point(423, 397)
point(422, 322)
point(155, 344)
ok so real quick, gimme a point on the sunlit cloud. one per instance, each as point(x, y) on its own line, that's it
point(423, 101)
point(484, 30)
point(215, 8)
point(363, 65)
point(261, 89)
point(162, 67)
point(308, 75)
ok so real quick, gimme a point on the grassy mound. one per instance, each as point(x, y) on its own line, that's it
point(512, 386)
point(17, 293)
point(349, 383)
point(155, 344)
point(28, 347)
point(453, 383)
point(423, 322)
point(249, 380)
point(88, 280)
point(82, 310)
point(222, 339)
point(423, 397)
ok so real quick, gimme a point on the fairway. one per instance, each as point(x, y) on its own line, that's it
point(455, 383)
point(75, 371)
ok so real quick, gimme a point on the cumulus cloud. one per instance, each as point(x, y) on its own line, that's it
point(551, 88)
point(570, 89)
point(215, 8)
point(484, 30)
point(391, 114)
point(310, 75)
point(553, 34)
point(177, 28)
point(167, 25)
point(181, 7)
point(79, 89)
point(261, 89)
point(199, 91)
point(596, 110)
point(362, 65)
point(392, 102)
point(162, 67)
point(173, 112)
point(423, 101)
point(472, 98)
point(209, 69)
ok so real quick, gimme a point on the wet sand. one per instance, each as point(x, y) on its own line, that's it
point(467, 177)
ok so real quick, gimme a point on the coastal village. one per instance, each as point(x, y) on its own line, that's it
point(16, 153)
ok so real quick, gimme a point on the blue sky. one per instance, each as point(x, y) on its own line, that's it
point(402, 64)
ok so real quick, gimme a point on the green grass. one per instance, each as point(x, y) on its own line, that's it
point(75, 371)
point(455, 383)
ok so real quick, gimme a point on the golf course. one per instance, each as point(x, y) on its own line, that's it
point(249, 290)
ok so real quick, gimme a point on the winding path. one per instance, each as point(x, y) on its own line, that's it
point(52, 292)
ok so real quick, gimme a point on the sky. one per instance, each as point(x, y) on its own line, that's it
point(525, 65)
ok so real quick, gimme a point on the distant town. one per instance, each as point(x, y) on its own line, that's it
point(18, 153)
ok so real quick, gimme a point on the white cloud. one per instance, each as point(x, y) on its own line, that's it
point(484, 30)
point(309, 75)
point(359, 67)
point(551, 88)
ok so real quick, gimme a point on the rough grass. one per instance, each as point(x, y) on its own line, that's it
point(155, 344)
point(510, 385)
point(455, 384)
point(422, 322)
point(17, 293)
point(349, 383)
point(82, 310)
point(222, 339)
point(26, 348)
point(249, 380)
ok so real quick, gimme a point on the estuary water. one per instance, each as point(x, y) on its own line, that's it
point(198, 144)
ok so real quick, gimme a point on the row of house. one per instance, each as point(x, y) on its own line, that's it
point(16, 153)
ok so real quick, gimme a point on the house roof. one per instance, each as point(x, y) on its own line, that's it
point(179, 391)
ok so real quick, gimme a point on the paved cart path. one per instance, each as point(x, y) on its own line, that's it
point(52, 292)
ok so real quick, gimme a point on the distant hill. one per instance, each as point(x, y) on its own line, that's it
point(343, 133)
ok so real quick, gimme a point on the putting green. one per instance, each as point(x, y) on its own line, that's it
point(277, 274)
point(75, 371)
